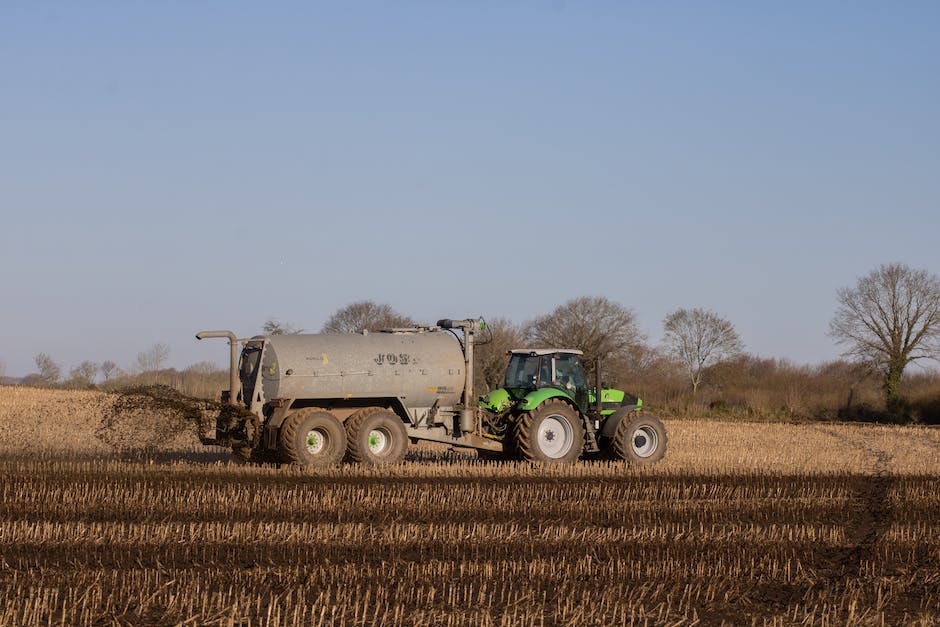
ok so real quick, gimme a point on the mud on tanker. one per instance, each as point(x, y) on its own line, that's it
point(316, 399)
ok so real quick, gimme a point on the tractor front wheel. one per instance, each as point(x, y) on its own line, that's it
point(551, 433)
point(641, 440)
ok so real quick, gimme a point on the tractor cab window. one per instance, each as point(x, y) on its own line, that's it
point(539, 371)
point(569, 373)
point(523, 371)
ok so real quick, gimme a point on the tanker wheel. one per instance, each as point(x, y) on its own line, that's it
point(312, 437)
point(376, 437)
point(551, 433)
point(640, 440)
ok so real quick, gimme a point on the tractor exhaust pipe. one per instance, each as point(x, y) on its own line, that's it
point(598, 401)
point(233, 382)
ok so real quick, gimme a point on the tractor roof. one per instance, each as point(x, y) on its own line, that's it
point(545, 351)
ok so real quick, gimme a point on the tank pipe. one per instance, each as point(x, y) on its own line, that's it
point(468, 327)
point(233, 382)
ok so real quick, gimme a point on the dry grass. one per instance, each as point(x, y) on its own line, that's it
point(742, 523)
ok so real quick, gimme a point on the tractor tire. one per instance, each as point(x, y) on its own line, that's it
point(552, 433)
point(375, 437)
point(312, 437)
point(641, 440)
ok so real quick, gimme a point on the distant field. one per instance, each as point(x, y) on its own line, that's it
point(767, 523)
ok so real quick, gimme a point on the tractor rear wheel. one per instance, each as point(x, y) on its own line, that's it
point(551, 433)
point(312, 437)
point(376, 437)
point(641, 440)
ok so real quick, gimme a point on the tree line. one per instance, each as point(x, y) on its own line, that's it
point(887, 320)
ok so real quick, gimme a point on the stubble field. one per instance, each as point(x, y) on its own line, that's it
point(107, 519)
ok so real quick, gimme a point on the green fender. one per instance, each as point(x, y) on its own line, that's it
point(536, 397)
point(610, 425)
point(496, 401)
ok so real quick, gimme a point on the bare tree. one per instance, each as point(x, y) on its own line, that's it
point(365, 315)
point(699, 338)
point(153, 358)
point(83, 375)
point(109, 370)
point(500, 336)
point(203, 379)
point(595, 325)
point(49, 371)
point(274, 327)
point(890, 318)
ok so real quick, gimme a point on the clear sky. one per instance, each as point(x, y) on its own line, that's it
point(167, 167)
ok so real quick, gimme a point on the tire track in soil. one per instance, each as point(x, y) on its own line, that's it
point(874, 514)
point(835, 567)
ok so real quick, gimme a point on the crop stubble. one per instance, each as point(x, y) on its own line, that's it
point(773, 524)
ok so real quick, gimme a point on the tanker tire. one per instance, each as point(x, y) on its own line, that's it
point(375, 437)
point(552, 433)
point(352, 425)
point(312, 437)
point(641, 440)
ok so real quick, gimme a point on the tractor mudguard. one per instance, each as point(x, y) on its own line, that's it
point(609, 427)
point(536, 397)
point(613, 400)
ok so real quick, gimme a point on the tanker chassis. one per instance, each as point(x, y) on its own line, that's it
point(315, 399)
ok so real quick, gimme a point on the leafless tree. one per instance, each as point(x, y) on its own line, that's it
point(890, 318)
point(203, 379)
point(595, 325)
point(500, 336)
point(274, 327)
point(109, 369)
point(83, 375)
point(698, 339)
point(365, 315)
point(153, 358)
point(49, 371)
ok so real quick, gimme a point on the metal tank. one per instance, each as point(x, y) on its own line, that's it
point(420, 367)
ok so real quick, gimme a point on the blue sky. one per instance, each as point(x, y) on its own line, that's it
point(170, 167)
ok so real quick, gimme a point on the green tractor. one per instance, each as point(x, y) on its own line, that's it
point(547, 412)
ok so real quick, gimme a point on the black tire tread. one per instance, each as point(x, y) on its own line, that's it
point(286, 451)
point(621, 446)
point(286, 435)
point(524, 442)
point(353, 454)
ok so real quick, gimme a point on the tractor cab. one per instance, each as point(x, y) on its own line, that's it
point(532, 369)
